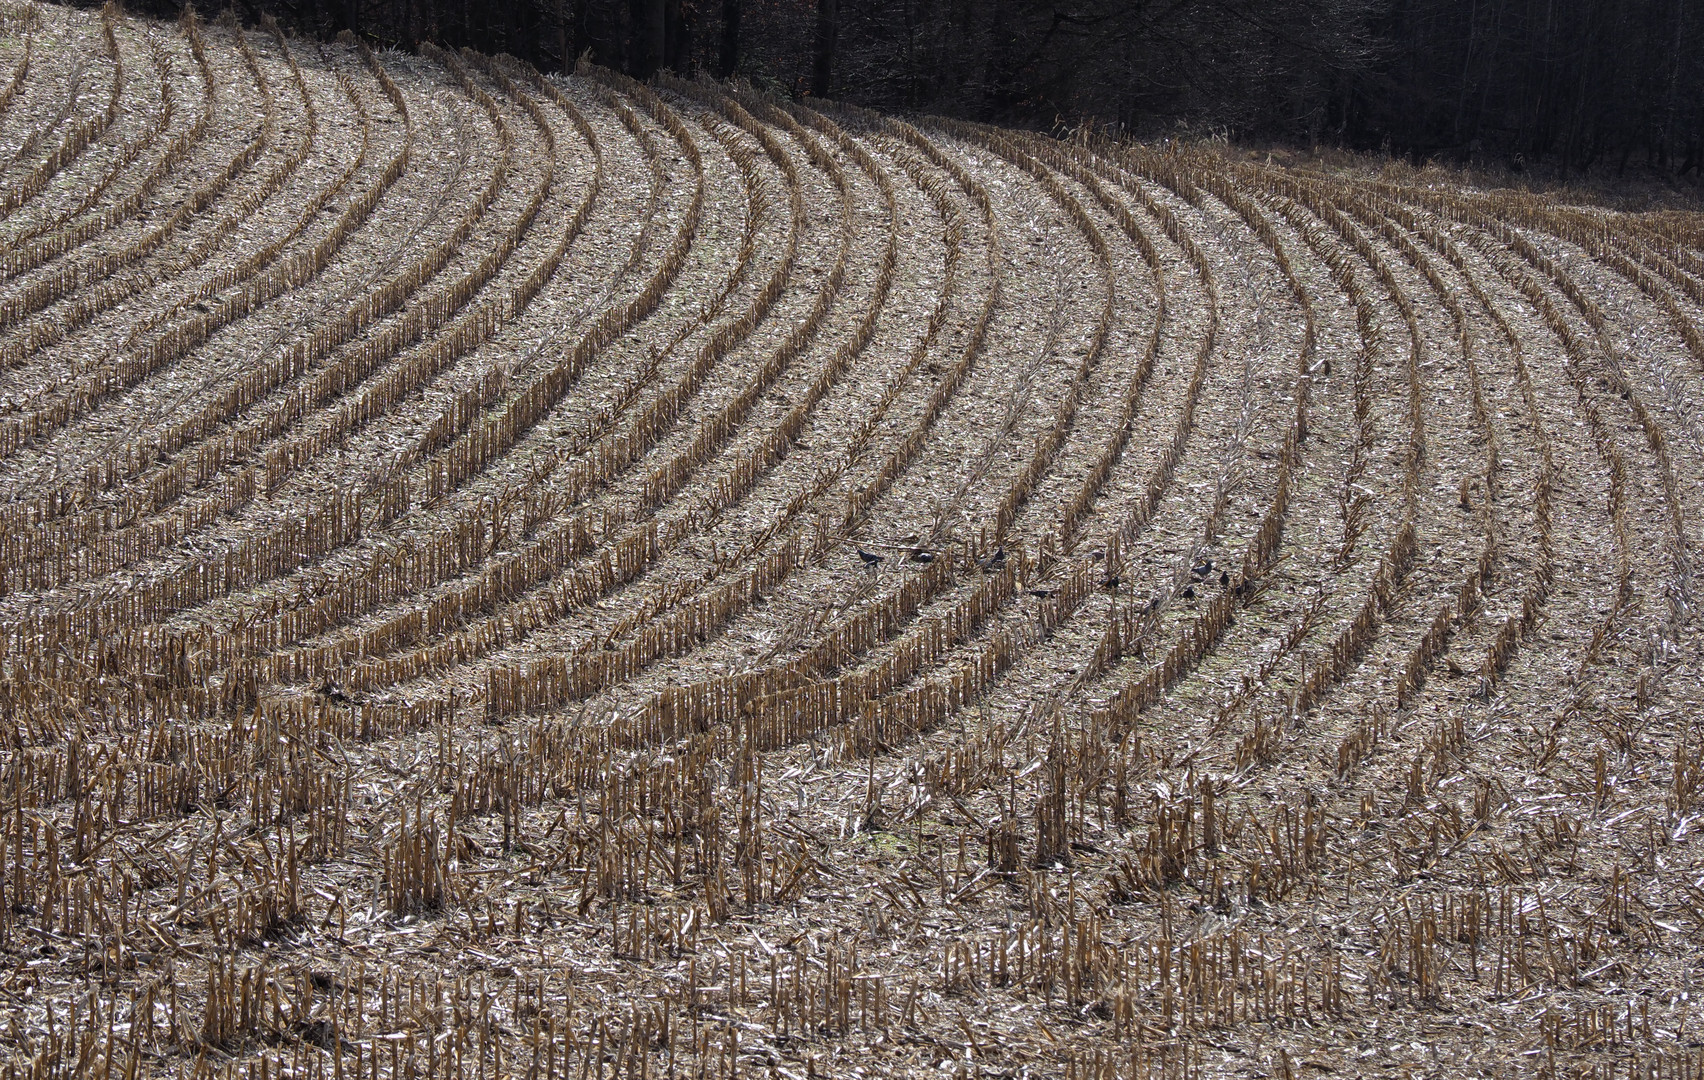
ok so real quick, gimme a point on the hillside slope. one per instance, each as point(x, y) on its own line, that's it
point(505, 576)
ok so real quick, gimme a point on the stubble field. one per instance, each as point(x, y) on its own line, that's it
point(506, 576)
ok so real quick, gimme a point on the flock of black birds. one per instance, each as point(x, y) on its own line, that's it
point(926, 555)
point(1201, 573)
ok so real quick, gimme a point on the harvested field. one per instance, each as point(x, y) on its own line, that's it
point(506, 576)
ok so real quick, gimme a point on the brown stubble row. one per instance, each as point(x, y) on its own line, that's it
point(24, 23)
point(1130, 630)
point(1456, 748)
point(558, 680)
point(253, 437)
point(1457, 737)
point(449, 346)
point(1510, 633)
point(1586, 363)
point(1359, 742)
point(785, 718)
point(198, 469)
point(63, 238)
point(794, 422)
point(1396, 562)
point(1454, 751)
point(104, 268)
point(511, 777)
point(474, 529)
point(1459, 613)
point(716, 496)
point(79, 131)
point(467, 537)
point(1604, 363)
point(56, 284)
point(112, 531)
point(642, 543)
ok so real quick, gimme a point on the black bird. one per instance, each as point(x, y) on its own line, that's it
point(1203, 570)
point(1224, 577)
point(872, 561)
point(1043, 593)
point(1189, 592)
point(994, 561)
point(1113, 582)
point(922, 555)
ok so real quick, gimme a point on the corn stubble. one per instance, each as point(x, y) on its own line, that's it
point(519, 576)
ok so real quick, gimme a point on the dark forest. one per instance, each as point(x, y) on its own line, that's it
point(1579, 84)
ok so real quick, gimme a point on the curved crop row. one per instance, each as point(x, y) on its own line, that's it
point(510, 574)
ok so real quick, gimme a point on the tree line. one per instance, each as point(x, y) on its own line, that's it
point(1579, 83)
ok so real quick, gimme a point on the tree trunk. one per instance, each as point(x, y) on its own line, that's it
point(729, 62)
point(578, 34)
point(822, 70)
point(645, 50)
point(564, 15)
point(607, 34)
point(677, 37)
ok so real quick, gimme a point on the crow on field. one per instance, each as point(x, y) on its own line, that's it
point(1224, 577)
point(922, 555)
point(1203, 570)
point(870, 560)
point(994, 561)
point(1189, 592)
